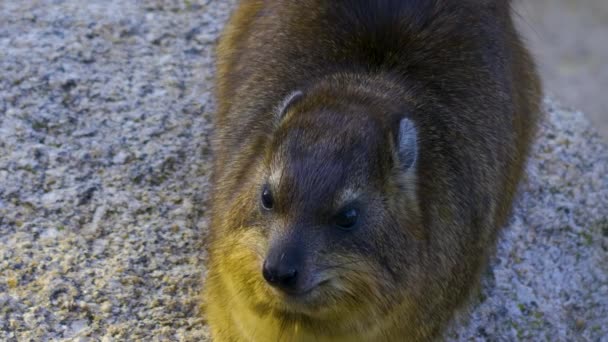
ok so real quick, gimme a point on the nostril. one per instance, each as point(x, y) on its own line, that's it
point(269, 274)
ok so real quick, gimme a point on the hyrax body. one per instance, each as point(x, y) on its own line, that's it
point(367, 153)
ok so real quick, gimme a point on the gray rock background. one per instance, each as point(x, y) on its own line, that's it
point(105, 110)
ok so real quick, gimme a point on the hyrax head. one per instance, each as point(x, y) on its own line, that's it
point(336, 203)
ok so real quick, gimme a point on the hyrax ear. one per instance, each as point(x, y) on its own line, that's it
point(287, 103)
point(407, 145)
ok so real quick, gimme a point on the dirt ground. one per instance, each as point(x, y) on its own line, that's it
point(570, 41)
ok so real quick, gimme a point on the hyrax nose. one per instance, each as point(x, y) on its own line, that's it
point(284, 278)
point(281, 272)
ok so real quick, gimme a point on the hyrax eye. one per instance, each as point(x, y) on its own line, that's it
point(347, 219)
point(267, 200)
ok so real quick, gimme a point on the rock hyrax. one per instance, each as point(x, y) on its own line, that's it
point(366, 155)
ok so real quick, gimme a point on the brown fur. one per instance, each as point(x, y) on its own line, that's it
point(457, 69)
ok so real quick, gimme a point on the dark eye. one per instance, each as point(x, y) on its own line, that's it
point(347, 219)
point(267, 200)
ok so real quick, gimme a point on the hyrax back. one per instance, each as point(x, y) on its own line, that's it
point(367, 153)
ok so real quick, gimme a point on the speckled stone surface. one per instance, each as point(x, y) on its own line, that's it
point(105, 114)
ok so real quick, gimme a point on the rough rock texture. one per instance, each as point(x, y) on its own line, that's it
point(105, 111)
